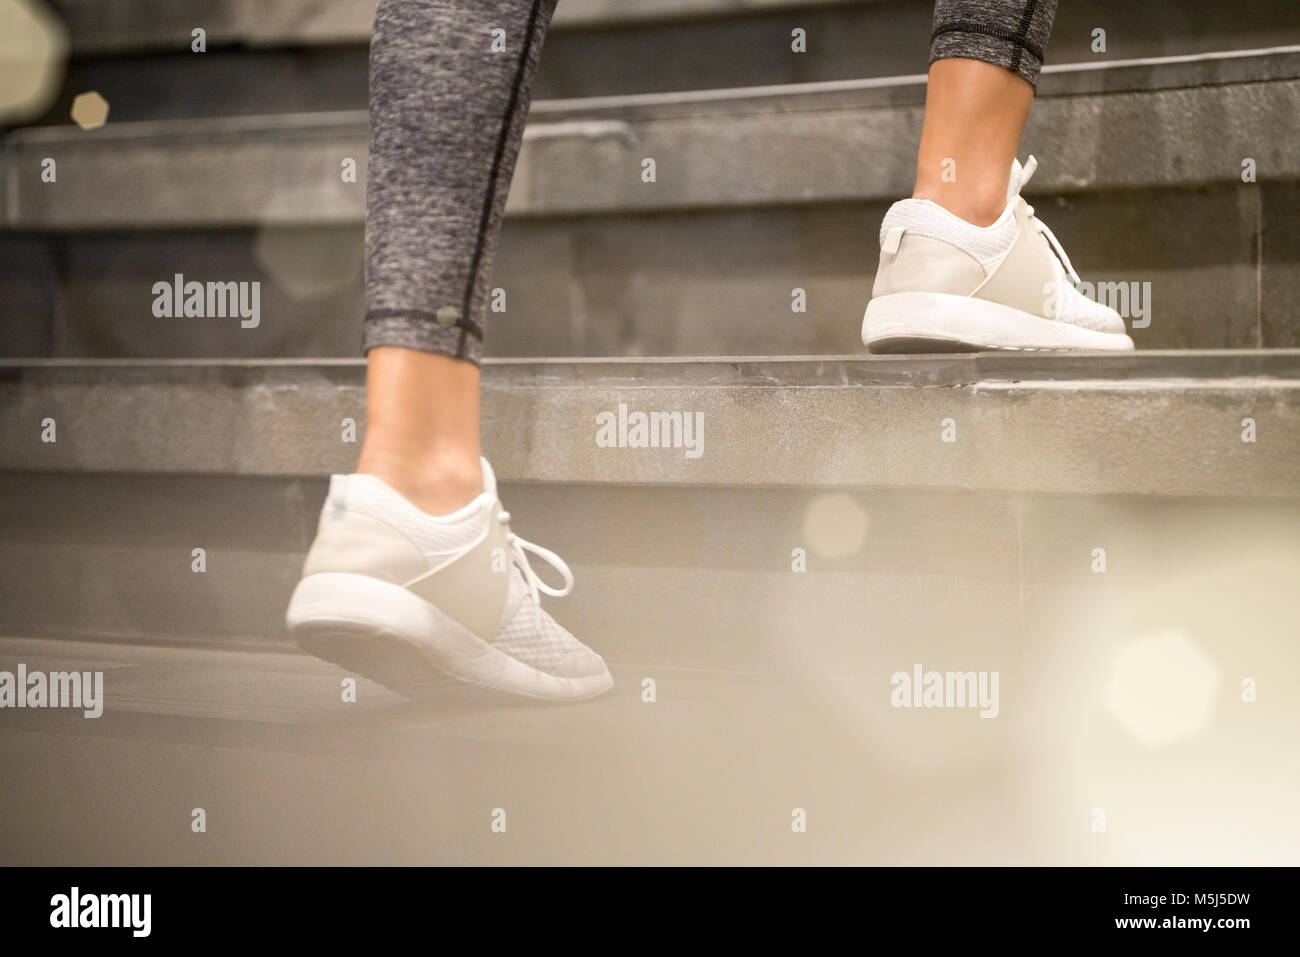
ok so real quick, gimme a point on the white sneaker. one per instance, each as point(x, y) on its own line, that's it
point(946, 285)
point(403, 597)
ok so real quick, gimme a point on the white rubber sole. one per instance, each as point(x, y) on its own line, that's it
point(384, 632)
point(941, 322)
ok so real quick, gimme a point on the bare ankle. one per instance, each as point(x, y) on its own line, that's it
point(438, 486)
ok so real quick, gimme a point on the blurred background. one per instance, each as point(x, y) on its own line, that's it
point(753, 603)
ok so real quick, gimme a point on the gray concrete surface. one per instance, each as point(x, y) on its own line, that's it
point(1144, 423)
point(602, 46)
point(111, 556)
point(772, 681)
point(98, 26)
point(772, 693)
point(740, 148)
point(702, 262)
point(1221, 264)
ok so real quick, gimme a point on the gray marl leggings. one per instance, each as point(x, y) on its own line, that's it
point(449, 94)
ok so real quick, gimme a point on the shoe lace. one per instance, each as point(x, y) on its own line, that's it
point(520, 547)
point(1025, 174)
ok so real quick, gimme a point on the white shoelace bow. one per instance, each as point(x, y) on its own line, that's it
point(520, 548)
point(1026, 172)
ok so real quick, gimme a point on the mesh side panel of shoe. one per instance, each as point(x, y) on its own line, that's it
point(923, 218)
point(534, 637)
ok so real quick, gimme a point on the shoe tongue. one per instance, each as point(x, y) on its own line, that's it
point(489, 479)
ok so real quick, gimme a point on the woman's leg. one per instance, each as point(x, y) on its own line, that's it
point(422, 427)
point(985, 57)
point(448, 102)
point(415, 572)
point(975, 114)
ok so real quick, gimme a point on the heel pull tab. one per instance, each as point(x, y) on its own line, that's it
point(892, 240)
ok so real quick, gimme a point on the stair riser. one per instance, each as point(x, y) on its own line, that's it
point(1221, 264)
point(687, 577)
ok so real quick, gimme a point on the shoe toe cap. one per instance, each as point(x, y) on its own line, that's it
point(580, 662)
point(1108, 320)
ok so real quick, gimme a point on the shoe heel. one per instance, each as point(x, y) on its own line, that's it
point(367, 627)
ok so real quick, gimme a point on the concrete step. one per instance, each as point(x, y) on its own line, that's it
point(1141, 423)
point(684, 576)
point(707, 774)
point(288, 56)
point(837, 142)
point(758, 192)
point(766, 676)
point(152, 460)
